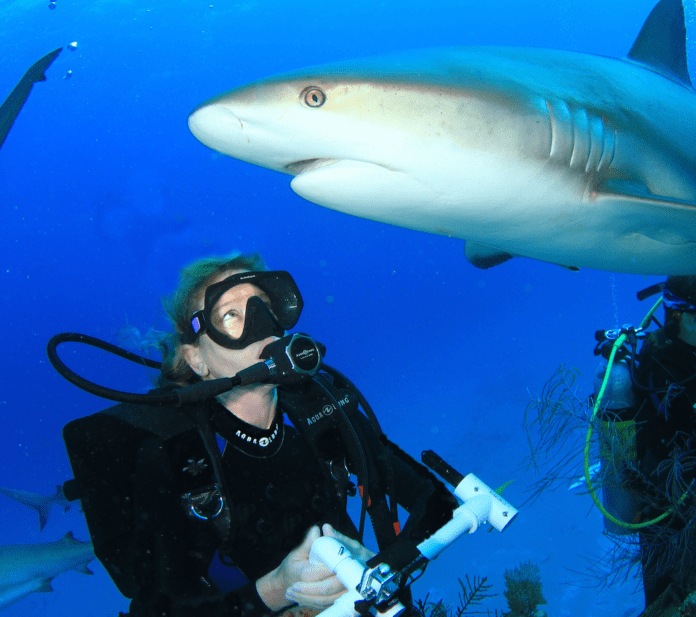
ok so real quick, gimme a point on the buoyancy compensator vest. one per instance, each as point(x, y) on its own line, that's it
point(104, 450)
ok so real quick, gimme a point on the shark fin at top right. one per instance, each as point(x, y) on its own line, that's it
point(661, 43)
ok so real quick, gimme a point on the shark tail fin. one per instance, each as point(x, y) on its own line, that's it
point(36, 502)
point(661, 43)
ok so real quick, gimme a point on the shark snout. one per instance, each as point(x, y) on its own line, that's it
point(217, 127)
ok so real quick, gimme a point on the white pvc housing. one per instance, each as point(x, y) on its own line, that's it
point(350, 572)
point(481, 505)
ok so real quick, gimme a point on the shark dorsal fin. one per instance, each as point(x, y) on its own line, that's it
point(661, 43)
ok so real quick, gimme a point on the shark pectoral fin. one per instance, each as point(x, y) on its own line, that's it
point(666, 220)
point(43, 515)
point(483, 256)
point(358, 188)
point(637, 190)
point(58, 498)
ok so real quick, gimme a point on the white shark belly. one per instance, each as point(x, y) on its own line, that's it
point(545, 213)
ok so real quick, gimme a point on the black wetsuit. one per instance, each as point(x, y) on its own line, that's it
point(279, 488)
point(667, 425)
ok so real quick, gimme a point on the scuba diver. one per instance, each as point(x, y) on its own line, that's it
point(646, 421)
point(208, 506)
point(664, 388)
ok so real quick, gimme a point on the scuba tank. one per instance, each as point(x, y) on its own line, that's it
point(617, 433)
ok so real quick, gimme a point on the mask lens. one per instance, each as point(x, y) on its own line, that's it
point(230, 324)
point(676, 303)
point(229, 315)
point(249, 307)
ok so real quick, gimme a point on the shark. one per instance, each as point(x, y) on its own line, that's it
point(41, 503)
point(29, 568)
point(13, 104)
point(580, 160)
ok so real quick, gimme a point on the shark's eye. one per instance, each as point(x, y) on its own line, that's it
point(313, 96)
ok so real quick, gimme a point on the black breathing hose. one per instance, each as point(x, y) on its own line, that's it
point(196, 392)
point(291, 359)
point(96, 389)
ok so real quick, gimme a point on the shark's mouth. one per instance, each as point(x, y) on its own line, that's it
point(299, 167)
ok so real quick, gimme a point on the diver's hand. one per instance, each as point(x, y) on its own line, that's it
point(359, 552)
point(319, 588)
point(296, 580)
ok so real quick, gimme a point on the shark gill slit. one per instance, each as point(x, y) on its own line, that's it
point(596, 132)
point(581, 139)
point(562, 137)
point(608, 149)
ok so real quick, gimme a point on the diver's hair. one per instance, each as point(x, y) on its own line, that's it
point(184, 302)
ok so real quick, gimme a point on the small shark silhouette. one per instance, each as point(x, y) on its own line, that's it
point(13, 104)
point(41, 503)
point(29, 568)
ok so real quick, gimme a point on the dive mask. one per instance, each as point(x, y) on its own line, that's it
point(235, 327)
point(674, 302)
point(670, 300)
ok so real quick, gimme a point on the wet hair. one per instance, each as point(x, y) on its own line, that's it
point(683, 287)
point(193, 281)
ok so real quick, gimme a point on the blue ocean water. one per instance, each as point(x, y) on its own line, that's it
point(105, 195)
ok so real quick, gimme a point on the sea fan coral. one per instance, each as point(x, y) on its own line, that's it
point(523, 590)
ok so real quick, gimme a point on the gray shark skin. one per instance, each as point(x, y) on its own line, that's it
point(28, 568)
point(570, 158)
point(41, 503)
point(13, 104)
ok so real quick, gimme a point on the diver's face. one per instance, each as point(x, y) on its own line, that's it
point(212, 361)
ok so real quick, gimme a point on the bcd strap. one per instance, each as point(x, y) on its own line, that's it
point(324, 428)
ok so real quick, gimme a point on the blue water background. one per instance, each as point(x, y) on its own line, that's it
point(105, 194)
